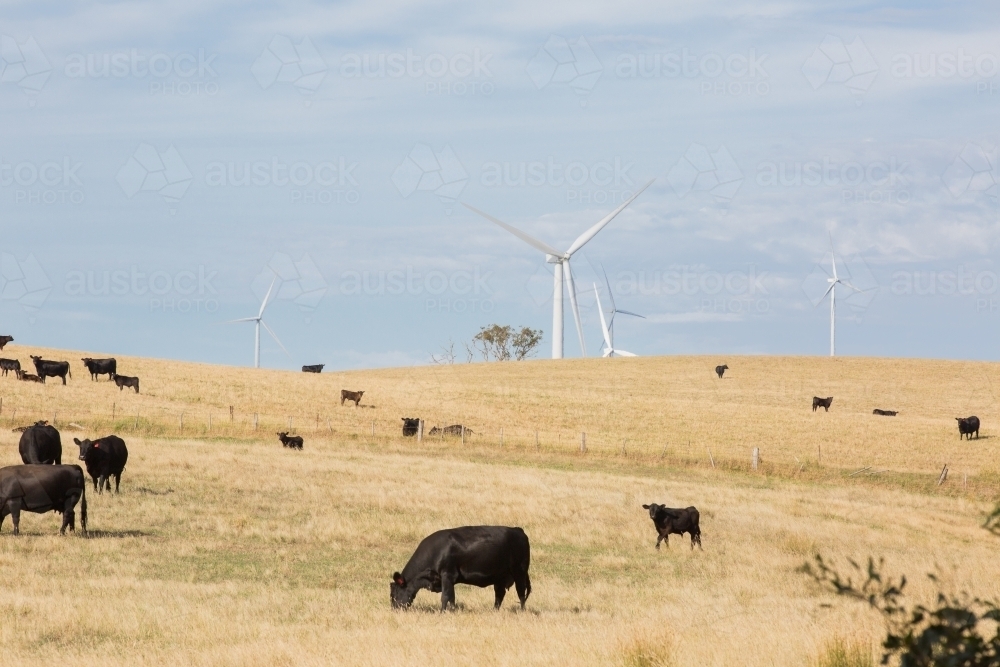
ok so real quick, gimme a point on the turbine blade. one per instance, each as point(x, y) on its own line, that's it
point(275, 337)
point(607, 353)
point(828, 290)
point(267, 296)
point(242, 319)
point(604, 326)
point(623, 353)
point(611, 294)
point(530, 240)
point(626, 312)
point(859, 291)
point(592, 232)
point(833, 257)
point(576, 309)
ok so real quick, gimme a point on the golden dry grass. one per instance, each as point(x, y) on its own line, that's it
point(225, 549)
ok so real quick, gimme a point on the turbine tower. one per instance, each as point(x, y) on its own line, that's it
point(561, 265)
point(609, 348)
point(832, 291)
point(258, 322)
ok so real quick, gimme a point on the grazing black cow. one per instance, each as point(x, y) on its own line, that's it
point(410, 426)
point(40, 489)
point(40, 444)
point(721, 369)
point(100, 367)
point(293, 441)
point(10, 365)
point(481, 556)
point(105, 458)
point(669, 520)
point(316, 368)
point(4, 340)
point(885, 413)
point(824, 403)
point(54, 369)
point(454, 429)
point(22, 429)
point(27, 377)
point(351, 396)
point(967, 426)
point(125, 381)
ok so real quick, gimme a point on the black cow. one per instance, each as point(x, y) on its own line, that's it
point(105, 458)
point(10, 365)
point(824, 403)
point(27, 377)
point(40, 444)
point(721, 369)
point(54, 369)
point(355, 396)
point(410, 426)
point(40, 489)
point(481, 556)
point(4, 340)
point(293, 441)
point(669, 520)
point(885, 413)
point(967, 426)
point(125, 381)
point(454, 429)
point(100, 367)
point(316, 368)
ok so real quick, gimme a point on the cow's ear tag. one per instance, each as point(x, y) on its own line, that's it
point(97, 445)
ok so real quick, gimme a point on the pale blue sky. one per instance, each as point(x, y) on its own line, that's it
point(160, 164)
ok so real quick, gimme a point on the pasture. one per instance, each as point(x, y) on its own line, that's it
point(226, 549)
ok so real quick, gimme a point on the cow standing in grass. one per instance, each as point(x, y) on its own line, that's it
point(481, 556)
point(4, 340)
point(40, 489)
point(721, 369)
point(100, 367)
point(40, 444)
point(315, 368)
point(105, 458)
point(7, 365)
point(291, 441)
point(669, 520)
point(44, 368)
point(967, 426)
point(355, 396)
point(126, 381)
point(824, 403)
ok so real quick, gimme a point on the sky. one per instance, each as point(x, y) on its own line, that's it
point(164, 165)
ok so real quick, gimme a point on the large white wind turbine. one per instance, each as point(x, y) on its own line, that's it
point(614, 309)
point(258, 323)
point(609, 348)
point(832, 291)
point(560, 260)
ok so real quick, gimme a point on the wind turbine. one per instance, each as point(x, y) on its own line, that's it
point(614, 309)
point(832, 291)
point(609, 348)
point(258, 322)
point(560, 260)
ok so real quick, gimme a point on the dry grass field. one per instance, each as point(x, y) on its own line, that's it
point(225, 549)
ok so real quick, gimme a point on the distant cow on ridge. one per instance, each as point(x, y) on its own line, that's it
point(316, 368)
point(291, 441)
point(4, 340)
point(54, 369)
point(10, 365)
point(824, 403)
point(721, 369)
point(885, 413)
point(355, 396)
point(669, 520)
point(100, 367)
point(454, 429)
point(410, 426)
point(125, 381)
point(105, 458)
point(967, 426)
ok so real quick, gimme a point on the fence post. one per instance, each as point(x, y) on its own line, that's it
point(230, 414)
point(536, 440)
point(113, 406)
point(583, 442)
point(182, 422)
point(373, 427)
point(624, 452)
point(755, 457)
point(664, 452)
point(136, 426)
point(317, 422)
point(711, 458)
point(255, 421)
point(943, 476)
point(819, 454)
point(1, 405)
point(420, 430)
point(463, 434)
point(501, 436)
point(53, 418)
point(209, 421)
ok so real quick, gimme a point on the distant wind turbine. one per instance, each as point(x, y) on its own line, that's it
point(609, 348)
point(614, 308)
point(832, 291)
point(258, 323)
point(561, 263)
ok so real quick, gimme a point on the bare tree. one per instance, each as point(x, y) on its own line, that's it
point(447, 355)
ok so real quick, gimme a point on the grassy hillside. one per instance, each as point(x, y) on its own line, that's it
point(225, 549)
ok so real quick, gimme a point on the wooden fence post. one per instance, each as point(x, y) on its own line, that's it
point(537, 447)
point(53, 418)
point(255, 421)
point(317, 422)
point(420, 430)
point(943, 476)
point(373, 428)
point(583, 442)
point(664, 452)
point(819, 454)
point(755, 457)
point(135, 427)
point(463, 434)
point(182, 422)
point(230, 414)
point(624, 453)
point(1, 405)
point(113, 406)
point(209, 421)
point(501, 436)
point(711, 458)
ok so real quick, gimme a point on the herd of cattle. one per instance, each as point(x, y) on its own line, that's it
point(483, 556)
